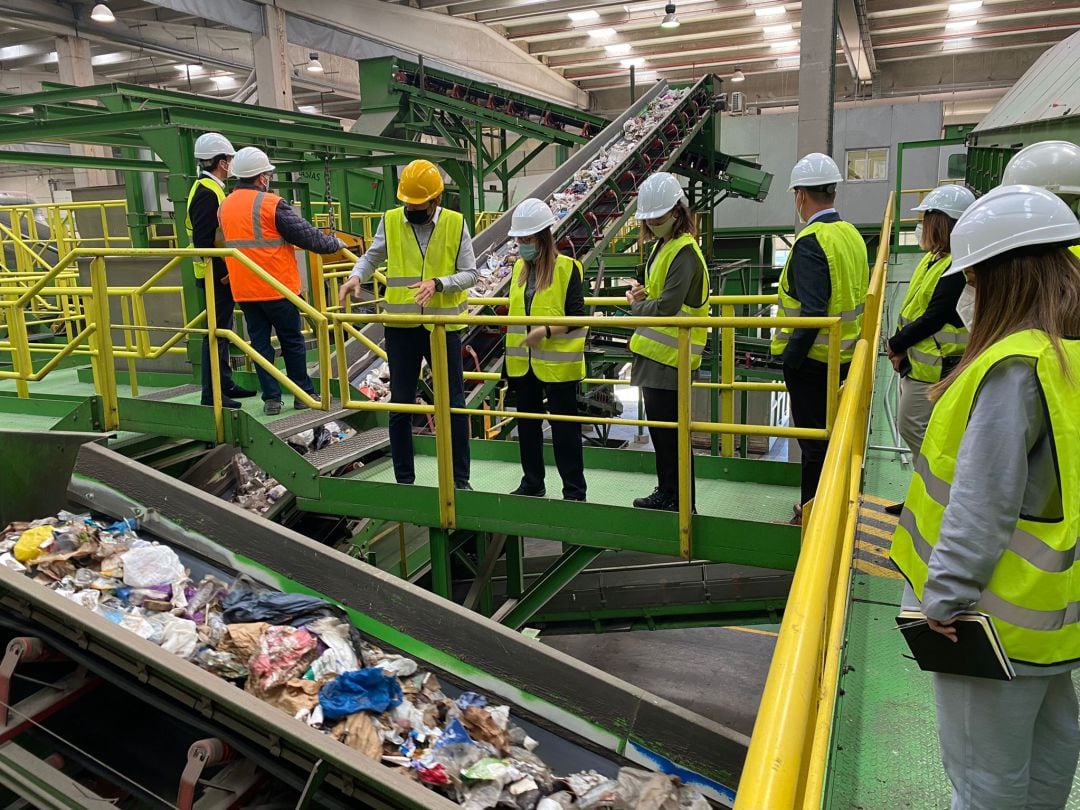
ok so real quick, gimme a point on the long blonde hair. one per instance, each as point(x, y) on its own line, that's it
point(1027, 288)
point(544, 263)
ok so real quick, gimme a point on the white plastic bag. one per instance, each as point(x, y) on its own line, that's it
point(147, 566)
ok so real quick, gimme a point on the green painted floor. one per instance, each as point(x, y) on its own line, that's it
point(727, 499)
point(885, 752)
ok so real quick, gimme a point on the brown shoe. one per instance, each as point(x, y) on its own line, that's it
point(796, 520)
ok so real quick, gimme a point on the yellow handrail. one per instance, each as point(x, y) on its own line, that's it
point(785, 765)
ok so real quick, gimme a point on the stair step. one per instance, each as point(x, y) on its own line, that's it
point(299, 421)
point(348, 451)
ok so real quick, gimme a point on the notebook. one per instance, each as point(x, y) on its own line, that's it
point(977, 651)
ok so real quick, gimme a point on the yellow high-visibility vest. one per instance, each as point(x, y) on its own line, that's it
point(849, 273)
point(406, 265)
point(928, 355)
point(202, 265)
point(560, 358)
point(1034, 592)
point(661, 343)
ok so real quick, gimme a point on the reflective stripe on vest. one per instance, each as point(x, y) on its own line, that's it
point(560, 358)
point(202, 266)
point(406, 265)
point(927, 356)
point(1034, 591)
point(247, 218)
point(849, 276)
point(661, 343)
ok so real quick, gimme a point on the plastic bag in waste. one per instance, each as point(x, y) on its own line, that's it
point(454, 734)
point(492, 770)
point(222, 664)
point(284, 653)
point(179, 636)
point(363, 690)
point(636, 789)
point(556, 801)
point(147, 566)
point(8, 561)
point(340, 657)
point(482, 796)
point(467, 699)
point(246, 604)
point(33, 543)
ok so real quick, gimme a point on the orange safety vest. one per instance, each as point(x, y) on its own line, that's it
point(247, 223)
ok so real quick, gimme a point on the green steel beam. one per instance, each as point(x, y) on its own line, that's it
point(554, 579)
point(71, 129)
point(81, 162)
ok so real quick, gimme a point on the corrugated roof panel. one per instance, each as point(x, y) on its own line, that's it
point(1050, 89)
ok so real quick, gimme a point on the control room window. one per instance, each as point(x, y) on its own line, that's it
point(867, 164)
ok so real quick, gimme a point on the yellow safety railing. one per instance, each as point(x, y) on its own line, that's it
point(789, 750)
point(442, 410)
point(59, 231)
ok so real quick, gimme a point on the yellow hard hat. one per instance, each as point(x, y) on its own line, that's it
point(420, 182)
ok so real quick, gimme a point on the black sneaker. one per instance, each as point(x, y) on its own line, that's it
point(236, 392)
point(272, 407)
point(226, 402)
point(658, 500)
point(298, 405)
point(895, 508)
point(531, 493)
point(465, 486)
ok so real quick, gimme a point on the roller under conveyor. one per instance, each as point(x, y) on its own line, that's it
point(582, 717)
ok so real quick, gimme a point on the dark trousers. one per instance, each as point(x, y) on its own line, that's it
point(662, 405)
point(224, 307)
point(808, 389)
point(283, 318)
point(565, 436)
point(405, 348)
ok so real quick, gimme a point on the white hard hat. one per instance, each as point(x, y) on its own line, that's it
point(659, 194)
point(530, 217)
point(250, 162)
point(1054, 165)
point(951, 200)
point(211, 144)
point(815, 170)
point(1007, 218)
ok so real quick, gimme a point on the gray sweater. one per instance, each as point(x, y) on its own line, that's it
point(1004, 469)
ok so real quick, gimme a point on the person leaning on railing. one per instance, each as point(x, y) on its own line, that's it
point(991, 519)
point(546, 361)
point(676, 284)
point(264, 227)
point(930, 336)
point(826, 274)
point(422, 243)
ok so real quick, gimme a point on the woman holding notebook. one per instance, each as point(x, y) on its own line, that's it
point(992, 517)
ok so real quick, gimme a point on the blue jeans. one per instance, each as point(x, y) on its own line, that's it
point(224, 301)
point(405, 348)
point(282, 317)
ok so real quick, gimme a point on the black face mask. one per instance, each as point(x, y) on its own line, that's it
point(418, 217)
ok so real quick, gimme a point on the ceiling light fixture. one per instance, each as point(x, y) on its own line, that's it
point(670, 20)
point(314, 65)
point(770, 11)
point(636, 62)
point(622, 49)
point(602, 33)
point(102, 14)
point(223, 82)
point(191, 70)
point(775, 30)
point(961, 25)
point(583, 16)
point(308, 108)
point(783, 46)
point(738, 75)
point(964, 8)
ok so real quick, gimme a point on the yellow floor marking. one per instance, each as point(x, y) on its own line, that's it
point(753, 630)
point(877, 500)
point(870, 548)
point(875, 531)
point(877, 570)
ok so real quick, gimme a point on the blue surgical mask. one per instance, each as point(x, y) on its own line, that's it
point(528, 251)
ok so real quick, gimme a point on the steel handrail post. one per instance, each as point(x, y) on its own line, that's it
point(833, 377)
point(215, 364)
point(106, 378)
point(444, 450)
point(727, 377)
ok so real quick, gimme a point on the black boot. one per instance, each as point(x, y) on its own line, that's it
point(894, 509)
point(657, 500)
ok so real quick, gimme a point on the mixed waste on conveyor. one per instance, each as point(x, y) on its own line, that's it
point(301, 655)
point(494, 272)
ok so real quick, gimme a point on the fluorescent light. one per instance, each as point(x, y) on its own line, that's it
point(964, 8)
point(602, 33)
point(738, 75)
point(773, 30)
point(622, 49)
point(637, 61)
point(224, 82)
point(308, 108)
point(583, 16)
point(783, 46)
point(192, 70)
point(961, 25)
point(770, 11)
point(314, 65)
point(102, 14)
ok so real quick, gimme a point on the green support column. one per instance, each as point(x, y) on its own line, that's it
point(515, 566)
point(441, 579)
point(562, 154)
point(554, 579)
